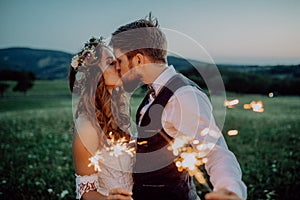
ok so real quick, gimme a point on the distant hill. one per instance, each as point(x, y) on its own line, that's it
point(49, 64)
point(280, 79)
point(45, 64)
point(182, 64)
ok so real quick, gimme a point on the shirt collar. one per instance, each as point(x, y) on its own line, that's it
point(163, 78)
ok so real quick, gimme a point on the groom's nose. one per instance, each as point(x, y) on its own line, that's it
point(118, 68)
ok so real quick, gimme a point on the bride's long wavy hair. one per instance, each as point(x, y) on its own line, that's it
point(108, 113)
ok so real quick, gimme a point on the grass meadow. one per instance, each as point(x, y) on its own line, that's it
point(36, 157)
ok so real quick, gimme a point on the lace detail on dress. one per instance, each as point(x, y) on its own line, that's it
point(86, 183)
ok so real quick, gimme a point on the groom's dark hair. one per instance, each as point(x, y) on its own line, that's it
point(142, 36)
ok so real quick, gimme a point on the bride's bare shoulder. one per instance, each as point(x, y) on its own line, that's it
point(86, 135)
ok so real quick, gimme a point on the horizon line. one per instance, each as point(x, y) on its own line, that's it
point(222, 60)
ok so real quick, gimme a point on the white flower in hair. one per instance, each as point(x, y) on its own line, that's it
point(74, 62)
point(88, 52)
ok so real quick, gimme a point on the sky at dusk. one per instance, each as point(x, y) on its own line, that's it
point(231, 31)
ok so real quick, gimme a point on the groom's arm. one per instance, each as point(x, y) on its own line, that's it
point(224, 171)
point(189, 112)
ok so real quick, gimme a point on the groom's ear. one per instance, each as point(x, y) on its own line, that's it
point(138, 59)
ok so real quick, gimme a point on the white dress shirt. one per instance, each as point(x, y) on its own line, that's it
point(189, 113)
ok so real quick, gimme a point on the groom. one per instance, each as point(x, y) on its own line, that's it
point(174, 107)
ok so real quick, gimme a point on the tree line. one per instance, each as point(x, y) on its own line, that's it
point(24, 80)
point(278, 80)
point(253, 82)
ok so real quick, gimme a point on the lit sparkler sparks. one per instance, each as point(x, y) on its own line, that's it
point(231, 103)
point(255, 106)
point(117, 148)
point(95, 161)
point(142, 142)
point(120, 146)
point(189, 159)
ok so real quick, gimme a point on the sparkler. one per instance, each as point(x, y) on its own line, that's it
point(95, 161)
point(142, 142)
point(120, 146)
point(116, 149)
point(189, 159)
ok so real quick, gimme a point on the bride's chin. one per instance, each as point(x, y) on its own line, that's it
point(114, 86)
point(119, 83)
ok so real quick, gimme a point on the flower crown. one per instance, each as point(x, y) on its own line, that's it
point(88, 51)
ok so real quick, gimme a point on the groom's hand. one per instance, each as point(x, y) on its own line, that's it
point(222, 194)
point(119, 194)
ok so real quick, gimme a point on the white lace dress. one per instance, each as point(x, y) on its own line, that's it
point(116, 172)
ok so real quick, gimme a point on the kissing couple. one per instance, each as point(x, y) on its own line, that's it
point(101, 77)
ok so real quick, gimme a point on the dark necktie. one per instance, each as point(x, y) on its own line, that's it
point(151, 92)
point(142, 109)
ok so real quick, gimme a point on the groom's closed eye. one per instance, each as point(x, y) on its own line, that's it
point(113, 63)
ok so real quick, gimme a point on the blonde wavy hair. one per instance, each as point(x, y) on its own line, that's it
point(108, 113)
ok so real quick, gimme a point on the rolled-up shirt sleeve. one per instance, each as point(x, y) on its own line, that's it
point(189, 113)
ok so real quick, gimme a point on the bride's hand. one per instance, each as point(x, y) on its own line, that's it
point(119, 194)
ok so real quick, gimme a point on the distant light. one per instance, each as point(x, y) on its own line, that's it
point(232, 132)
point(271, 94)
point(255, 106)
point(247, 106)
point(231, 103)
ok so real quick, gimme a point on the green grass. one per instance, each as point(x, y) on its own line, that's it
point(40, 88)
point(36, 153)
point(267, 145)
point(36, 158)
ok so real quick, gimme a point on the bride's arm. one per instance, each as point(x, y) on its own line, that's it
point(81, 156)
point(85, 144)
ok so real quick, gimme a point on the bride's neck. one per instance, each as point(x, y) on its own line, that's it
point(110, 88)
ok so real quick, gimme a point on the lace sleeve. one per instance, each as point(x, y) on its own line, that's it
point(86, 183)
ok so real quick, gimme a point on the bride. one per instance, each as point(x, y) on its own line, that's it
point(100, 117)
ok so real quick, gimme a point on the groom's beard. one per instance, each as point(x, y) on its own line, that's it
point(131, 79)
